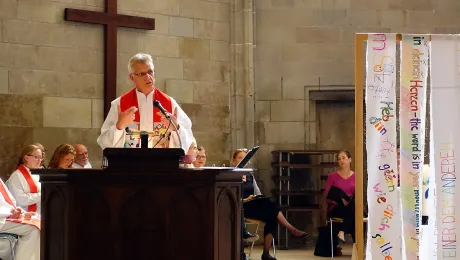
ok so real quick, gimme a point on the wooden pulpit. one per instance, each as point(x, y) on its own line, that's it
point(141, 206)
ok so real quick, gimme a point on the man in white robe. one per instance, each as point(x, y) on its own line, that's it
point(28, 246)
point(134, 110)
point(81, 158)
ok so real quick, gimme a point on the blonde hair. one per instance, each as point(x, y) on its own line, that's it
point(26, 151)
point(61, 151)
point(142, 58)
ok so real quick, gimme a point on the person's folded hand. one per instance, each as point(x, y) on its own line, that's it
point(29, 215)
point(16, 213)
point(250, 197)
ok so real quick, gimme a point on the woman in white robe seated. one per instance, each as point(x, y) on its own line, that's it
point(13, 220)
point(24, 186)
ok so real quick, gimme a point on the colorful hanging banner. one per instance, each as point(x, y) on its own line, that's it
point(412, 115)
point(445, 121)
point(428, 243)
point(384, 226)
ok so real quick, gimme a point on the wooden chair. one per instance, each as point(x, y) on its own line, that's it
point(330, 221)
point(337, 220)
point(258, 222)
point(7, 245)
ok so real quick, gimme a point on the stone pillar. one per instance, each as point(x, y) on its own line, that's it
point(242, 74)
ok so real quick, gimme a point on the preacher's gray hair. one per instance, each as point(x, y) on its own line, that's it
point(140, 58)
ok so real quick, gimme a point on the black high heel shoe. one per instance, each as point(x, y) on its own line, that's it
point(267, 257)
point(302, 235)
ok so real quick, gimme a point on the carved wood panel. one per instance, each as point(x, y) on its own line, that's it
point(116, 214)
point(228, 221)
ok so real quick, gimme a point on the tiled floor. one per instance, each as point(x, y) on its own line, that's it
point(299, 254)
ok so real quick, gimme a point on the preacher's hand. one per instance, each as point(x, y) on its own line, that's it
point(126, 117)
point(165, 121)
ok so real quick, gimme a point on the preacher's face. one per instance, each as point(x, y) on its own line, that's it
point(143, 76)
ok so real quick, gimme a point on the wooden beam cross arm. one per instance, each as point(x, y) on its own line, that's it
point(119, 20)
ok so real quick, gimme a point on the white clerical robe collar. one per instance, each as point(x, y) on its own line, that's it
point(78, 166)
point(142, 96)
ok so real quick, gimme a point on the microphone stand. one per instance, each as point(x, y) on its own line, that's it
point(157, 104)
point(175, 128)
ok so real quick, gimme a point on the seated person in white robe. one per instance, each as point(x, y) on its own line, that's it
point(134, 110)
point(81, 158)
point(13, 221)
point(24, 186)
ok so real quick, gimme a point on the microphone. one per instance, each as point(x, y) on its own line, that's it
point(158, 105)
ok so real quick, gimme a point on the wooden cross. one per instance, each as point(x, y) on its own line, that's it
point(111, 21)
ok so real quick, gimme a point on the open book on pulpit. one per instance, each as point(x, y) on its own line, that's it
point(158, 138)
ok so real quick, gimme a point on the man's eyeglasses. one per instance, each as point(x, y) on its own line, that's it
point(36, 157)
point(82, 154)
point(142, 74)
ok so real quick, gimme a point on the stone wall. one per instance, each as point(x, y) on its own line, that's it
point(51, 71)
point(213, 56)
point(335, 125)
point(310, 42)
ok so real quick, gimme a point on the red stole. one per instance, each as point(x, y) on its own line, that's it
point(129, 99)
point(32, 186)
point(5, 195)
point(33, 222)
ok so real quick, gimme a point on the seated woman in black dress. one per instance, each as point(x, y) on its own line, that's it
point(262, 208)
